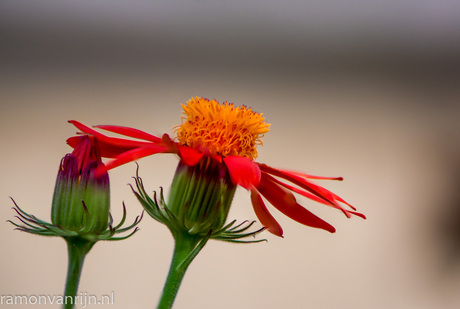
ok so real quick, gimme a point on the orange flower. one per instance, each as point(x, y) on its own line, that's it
point(228, 136)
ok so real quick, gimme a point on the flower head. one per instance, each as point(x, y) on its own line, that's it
point(227, 136)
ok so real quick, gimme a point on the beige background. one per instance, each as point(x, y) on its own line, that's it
point(367, 91)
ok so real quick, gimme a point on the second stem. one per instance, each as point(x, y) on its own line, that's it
point(186, 248)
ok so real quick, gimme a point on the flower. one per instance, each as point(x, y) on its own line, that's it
point(227, 135)
point(81, 200)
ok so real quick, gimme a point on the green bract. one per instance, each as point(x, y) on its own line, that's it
point(198, 205)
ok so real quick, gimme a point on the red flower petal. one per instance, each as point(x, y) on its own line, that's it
point(338, 198)
point(116, 142)
point(84, 128)
point(131, 132)
point(301, 192)
point(347, 212)
point(107, 150)
point(72, 141)
point(265, 218)
point(217, 158)
point(243, 171)
point(328, 195)
point(190, 156)
point(285, 202)
point(135, 154)
point(312, 196)
point(303, 183)
point(168, 142)
point(335, 196)
point(312, 176)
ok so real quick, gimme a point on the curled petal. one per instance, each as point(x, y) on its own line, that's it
point(168, 142)
point(85, 129)
point(265, 218)
point(243, 171)
point(190, 156)
point(131, 132)
point(285, 202)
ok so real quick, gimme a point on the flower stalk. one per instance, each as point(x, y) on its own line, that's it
point(186, 248)
point(77, 249)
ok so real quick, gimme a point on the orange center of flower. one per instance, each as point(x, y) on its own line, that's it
point(223, 129)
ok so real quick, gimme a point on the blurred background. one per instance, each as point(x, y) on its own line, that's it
point(367, 90)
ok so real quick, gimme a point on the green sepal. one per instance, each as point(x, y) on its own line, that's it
point(156, 207)
point(33, 225)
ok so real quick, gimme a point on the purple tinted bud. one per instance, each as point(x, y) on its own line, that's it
point(81, 198)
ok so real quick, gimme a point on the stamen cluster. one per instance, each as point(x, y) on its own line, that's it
point(221, 129)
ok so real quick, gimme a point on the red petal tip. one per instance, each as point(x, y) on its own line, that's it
point(191, 156)
point(264, 215)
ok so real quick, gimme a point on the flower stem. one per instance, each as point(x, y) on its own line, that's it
point(77, 249)
point(186, 249)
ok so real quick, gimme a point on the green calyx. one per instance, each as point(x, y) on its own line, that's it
point(201, 196)
point(31, 224)
point(84, 211)
point(198, 204)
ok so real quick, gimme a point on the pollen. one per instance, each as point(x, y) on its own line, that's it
point(222, 129)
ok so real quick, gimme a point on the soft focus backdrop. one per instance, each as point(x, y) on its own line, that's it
point(367, 90)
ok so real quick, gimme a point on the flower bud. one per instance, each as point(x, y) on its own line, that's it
point(81, 200)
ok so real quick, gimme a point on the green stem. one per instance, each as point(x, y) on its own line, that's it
point(186, 249)
point(77, 249)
